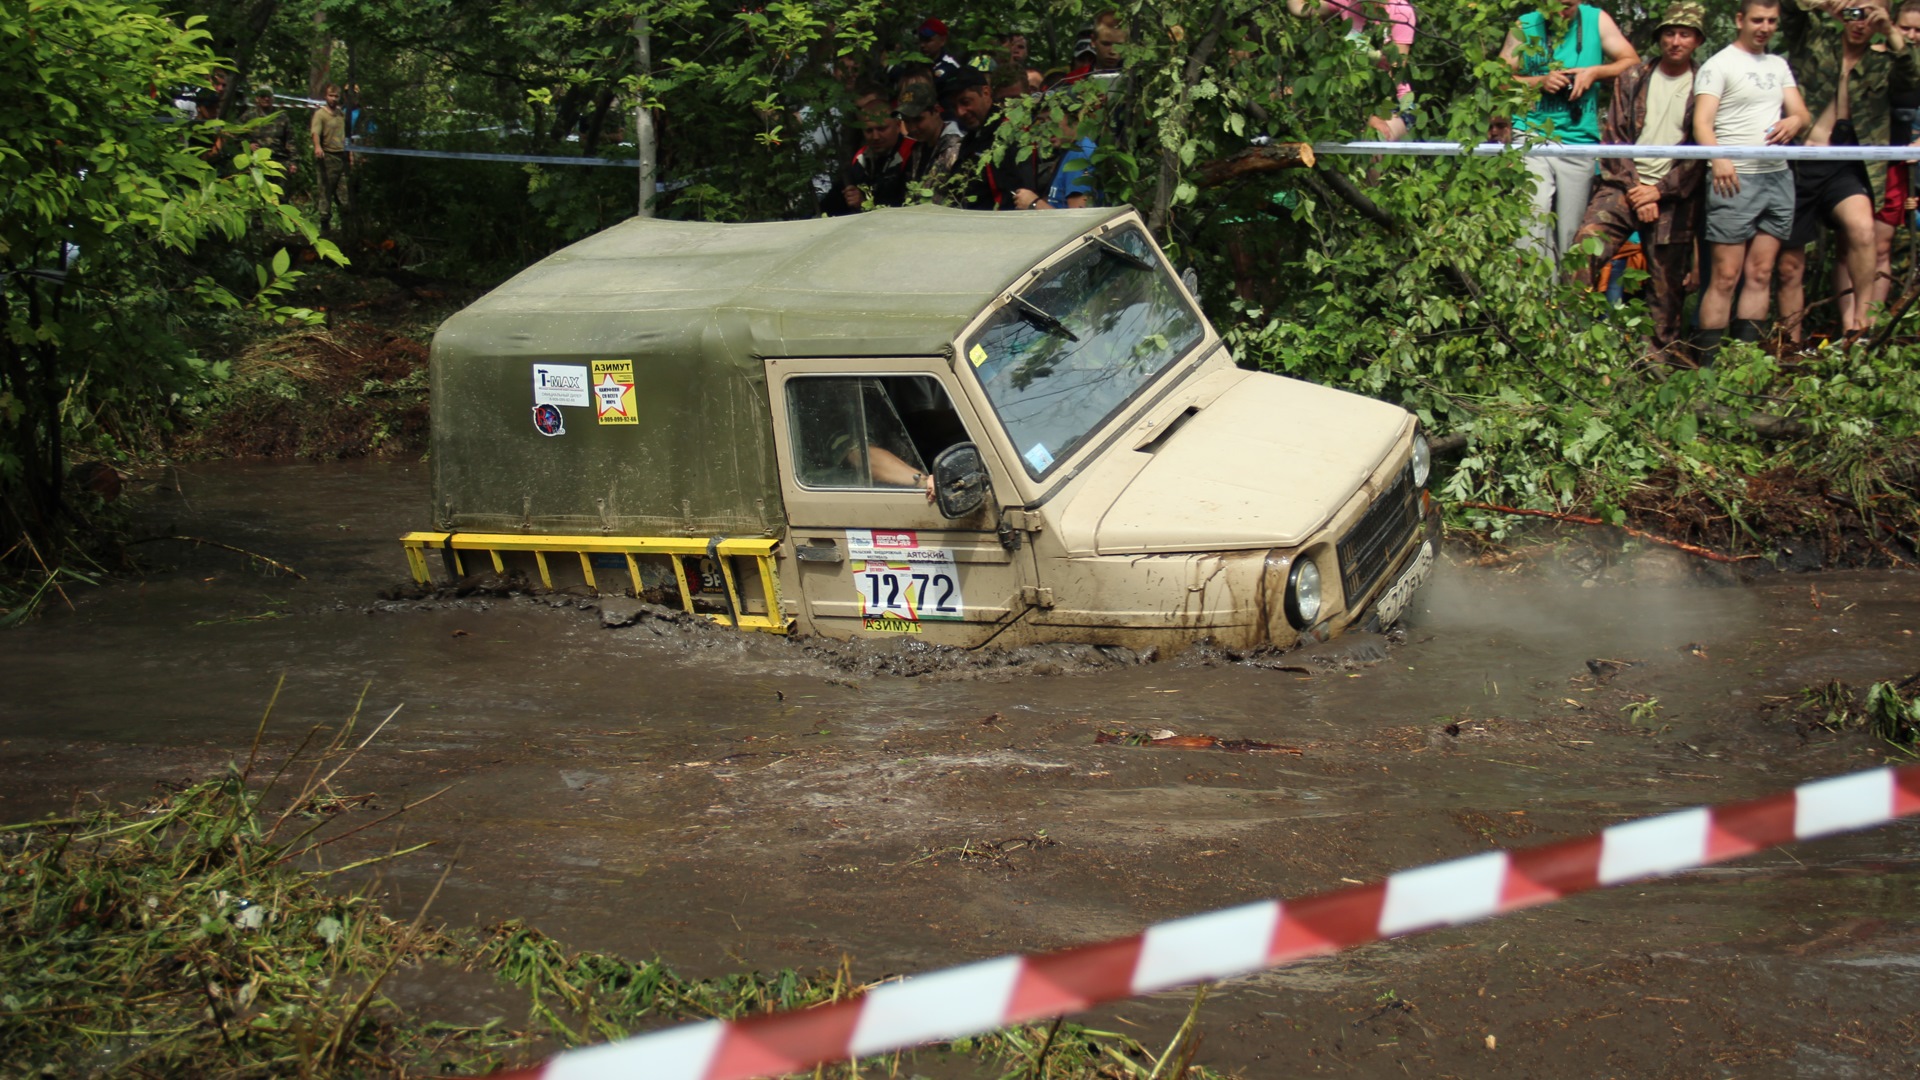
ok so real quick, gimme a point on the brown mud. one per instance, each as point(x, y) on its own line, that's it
point(1862, 513)
point(733, 801)
point(356, 387)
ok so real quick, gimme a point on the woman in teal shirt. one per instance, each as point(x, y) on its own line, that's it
point(1563, 50)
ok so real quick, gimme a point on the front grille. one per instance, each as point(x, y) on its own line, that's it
point(1369, 547)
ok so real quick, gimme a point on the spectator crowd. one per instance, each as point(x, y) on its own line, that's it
point(933, 123)
point(1734, 230)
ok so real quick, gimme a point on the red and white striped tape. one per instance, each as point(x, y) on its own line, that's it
point(995, 993)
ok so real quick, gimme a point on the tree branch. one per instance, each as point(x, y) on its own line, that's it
point(1169, 156)
point(1254, 161)
point(1366, 207)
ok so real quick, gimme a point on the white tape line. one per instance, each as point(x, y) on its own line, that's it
point(681, 1053)
point(1216, 945)
point(942, 1005)
point(1844, 802)
point(1658, 845)
point(1623, 150)
point(1444, 894)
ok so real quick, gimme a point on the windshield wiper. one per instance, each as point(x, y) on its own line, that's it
point(1039, 316)
point(1109, 247)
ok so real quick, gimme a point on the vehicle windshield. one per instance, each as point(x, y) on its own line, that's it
point(1074, 348)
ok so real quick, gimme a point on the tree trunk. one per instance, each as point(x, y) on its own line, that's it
point(596, 123)
point(566, 116)
point(320, 60)
point(242, 51)
point(644, 137)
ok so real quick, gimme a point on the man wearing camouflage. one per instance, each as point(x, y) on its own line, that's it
point(1846, 82)
point(330, 158)
point(1656, 197)
point(275, 133)
point(936, 144)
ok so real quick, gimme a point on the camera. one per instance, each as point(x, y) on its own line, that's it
point(1853, 14)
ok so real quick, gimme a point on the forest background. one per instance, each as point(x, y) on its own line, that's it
point(135, 264)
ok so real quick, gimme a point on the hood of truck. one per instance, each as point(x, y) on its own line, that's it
point(1252, 460)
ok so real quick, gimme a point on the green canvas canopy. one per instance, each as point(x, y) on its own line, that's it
point(694, 308)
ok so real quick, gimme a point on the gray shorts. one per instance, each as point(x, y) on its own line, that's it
point(1764, 203)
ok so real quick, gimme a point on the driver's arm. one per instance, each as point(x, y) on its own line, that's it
point(891, 470)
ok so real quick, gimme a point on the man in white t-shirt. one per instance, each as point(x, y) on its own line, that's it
point(1658, 198)
point(1745, 96)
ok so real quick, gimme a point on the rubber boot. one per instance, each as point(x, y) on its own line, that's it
point(1706, 343)
point(1746, 329)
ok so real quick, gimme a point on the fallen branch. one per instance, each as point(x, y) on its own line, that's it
point(1253, 161)
point(1889, 320)
point(1167, 739)
point(1576, 519)
point(275, 563)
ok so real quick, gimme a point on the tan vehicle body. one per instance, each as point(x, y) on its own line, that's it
point(1179, 517)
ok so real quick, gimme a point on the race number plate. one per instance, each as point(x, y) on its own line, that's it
point(902, 584)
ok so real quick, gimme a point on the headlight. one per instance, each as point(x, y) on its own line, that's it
point(1303, 593)
point(1422, 460)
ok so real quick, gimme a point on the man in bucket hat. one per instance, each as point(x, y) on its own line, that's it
point(1655, 197)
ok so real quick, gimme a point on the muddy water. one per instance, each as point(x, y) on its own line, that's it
point(732, 800)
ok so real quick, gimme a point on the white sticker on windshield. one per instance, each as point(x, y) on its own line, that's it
point(1039, 458)
point(560, 384)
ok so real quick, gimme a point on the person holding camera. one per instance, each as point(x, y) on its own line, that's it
point(1564, 51)
point(1848, 84)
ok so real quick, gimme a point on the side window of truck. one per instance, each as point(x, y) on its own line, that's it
point(868, 431)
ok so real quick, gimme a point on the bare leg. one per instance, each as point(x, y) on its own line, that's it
point(1716, 305)
point(1882, 262)
point(1762, 251)
point(1854, 218)
point(1792, 265)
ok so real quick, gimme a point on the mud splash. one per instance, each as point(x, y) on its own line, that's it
point(730, 801)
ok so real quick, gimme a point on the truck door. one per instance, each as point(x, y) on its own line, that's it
point(873, 557)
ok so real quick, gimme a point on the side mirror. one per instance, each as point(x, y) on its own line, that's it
point(959, 480)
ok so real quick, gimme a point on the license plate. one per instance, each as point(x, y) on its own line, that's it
point(1394, 601)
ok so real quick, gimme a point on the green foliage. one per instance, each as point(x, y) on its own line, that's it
point(587, 997)
point(190, 937)
point(1395, 277)
point(126, 233)
point(1887, 711)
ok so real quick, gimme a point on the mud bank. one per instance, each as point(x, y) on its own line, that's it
point(729, 801)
